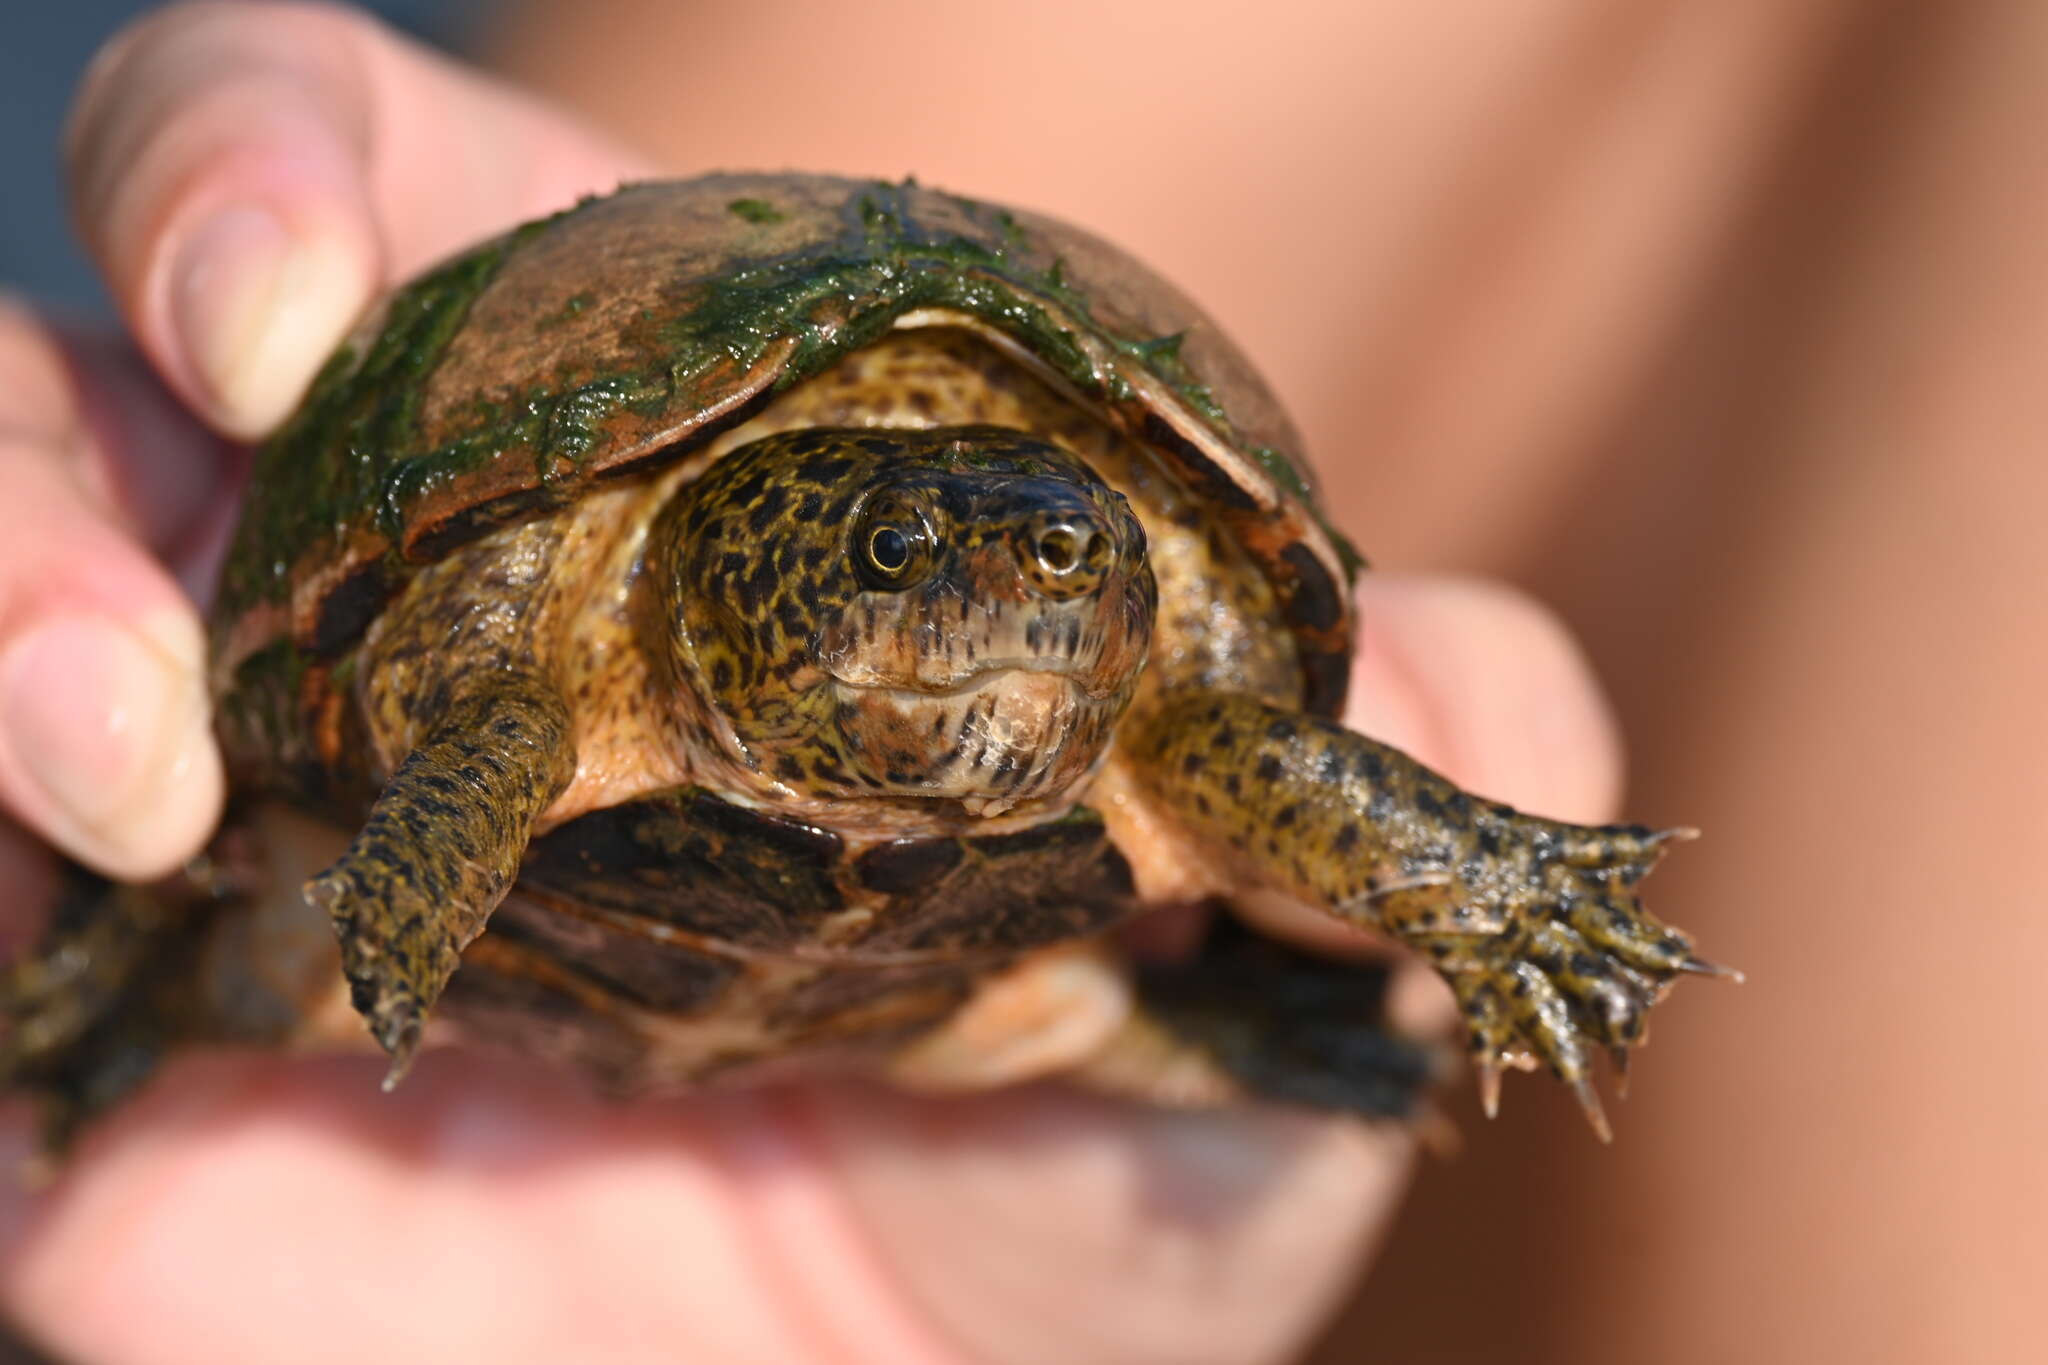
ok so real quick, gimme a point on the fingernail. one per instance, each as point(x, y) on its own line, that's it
point(258, 309)
point(108, 724)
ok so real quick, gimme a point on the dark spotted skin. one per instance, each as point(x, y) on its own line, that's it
point(826, 668)
point(441, 847)
point(1534, 922)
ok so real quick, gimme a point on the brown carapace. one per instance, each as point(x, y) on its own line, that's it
point(763, 626)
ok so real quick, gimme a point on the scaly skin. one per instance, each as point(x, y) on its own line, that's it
point(1534, 922)
point(440, 848)
point(976, 675)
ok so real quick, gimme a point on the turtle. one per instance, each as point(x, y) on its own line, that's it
point(770, 625)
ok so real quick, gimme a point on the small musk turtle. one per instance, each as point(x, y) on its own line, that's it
point(765, 624)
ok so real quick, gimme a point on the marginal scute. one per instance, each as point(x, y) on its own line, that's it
point(1325, 676)
point(1314, 601)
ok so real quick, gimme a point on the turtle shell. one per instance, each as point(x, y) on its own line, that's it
point(619, 335)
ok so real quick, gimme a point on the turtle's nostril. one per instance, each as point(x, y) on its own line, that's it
point(1065, 553)
point(1059, 549)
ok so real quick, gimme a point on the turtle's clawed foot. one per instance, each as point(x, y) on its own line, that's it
point(441, 845)
point(1534, 922)
point(97, 941)
point(82, 1017)
point(398, 948)
point(403, 909)
point(1568, 964)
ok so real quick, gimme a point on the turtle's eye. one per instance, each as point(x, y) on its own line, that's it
point(893, 542)
point(888, 550)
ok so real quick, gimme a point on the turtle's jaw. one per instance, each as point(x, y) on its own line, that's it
point(1000, 738)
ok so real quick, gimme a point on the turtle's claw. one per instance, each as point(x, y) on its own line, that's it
point(1488, 1067)
point(1589, 1100)
point(1538, 1022)
point(1699, 966)
point(1576, 962)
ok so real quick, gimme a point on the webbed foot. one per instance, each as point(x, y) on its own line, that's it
point(1547, 948)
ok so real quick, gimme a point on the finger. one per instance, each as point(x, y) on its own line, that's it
point(846, 1226)
point(160, 473)
point(249, 177)
point(486, 1211)
point(1043, 1224)
point(105, 748)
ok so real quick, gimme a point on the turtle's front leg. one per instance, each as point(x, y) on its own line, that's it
point(441, 847)
point(1534, 922)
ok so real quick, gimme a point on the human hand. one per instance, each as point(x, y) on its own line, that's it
point(249, 178)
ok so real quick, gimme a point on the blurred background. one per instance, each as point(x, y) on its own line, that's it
point(1719, 326)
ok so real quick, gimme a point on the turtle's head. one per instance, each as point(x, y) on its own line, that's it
point(958, 613)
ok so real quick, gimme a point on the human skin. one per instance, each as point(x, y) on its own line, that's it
point(1719, 325)
point(224, 159)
